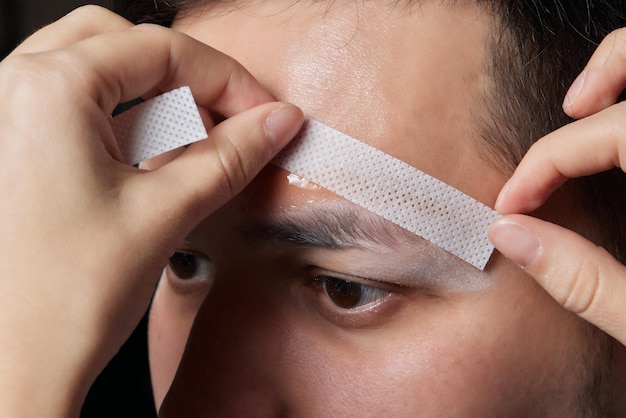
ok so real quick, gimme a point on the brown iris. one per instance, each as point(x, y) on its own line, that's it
point(343, 293)
point(184, 264)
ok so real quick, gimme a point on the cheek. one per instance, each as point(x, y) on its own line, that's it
point(171, 317)
point(412, 373)
point(484, 356)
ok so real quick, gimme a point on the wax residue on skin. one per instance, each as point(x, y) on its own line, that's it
point(295, 180)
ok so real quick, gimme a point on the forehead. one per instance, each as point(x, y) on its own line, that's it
point(407, 80)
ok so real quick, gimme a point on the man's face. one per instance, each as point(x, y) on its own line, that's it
point(382, 324)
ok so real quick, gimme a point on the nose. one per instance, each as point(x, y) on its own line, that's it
point(233, 355)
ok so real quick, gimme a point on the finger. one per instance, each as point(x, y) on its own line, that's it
point(581, 276)
point(209, 173)
point(82, 23)
point(587, 146)
point(603, 79)
point(119, 66)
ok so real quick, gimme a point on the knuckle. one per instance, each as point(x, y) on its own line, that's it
point(89, 20)
point(615, 129)
point(76, 76)
point(583, 289)
point(21, 76)
point(152, 29)
point(233, 166)
point(160, 37)
point(616, 42)
point(27, 80)
point(616, 125)
point(218, 179)
point(214, 183)
point(89, 13)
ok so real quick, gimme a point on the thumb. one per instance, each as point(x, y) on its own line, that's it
point(581, 276)
point(211, 172)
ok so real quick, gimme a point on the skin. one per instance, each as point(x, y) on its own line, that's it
point(267, 340)
point(268, 337)
point(63, 315)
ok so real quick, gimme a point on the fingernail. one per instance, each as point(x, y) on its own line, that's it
point(575, 89)
point(283, 124)
point(515, 242)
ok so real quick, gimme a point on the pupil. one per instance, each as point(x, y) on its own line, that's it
point(183, 264)
point(343, 293)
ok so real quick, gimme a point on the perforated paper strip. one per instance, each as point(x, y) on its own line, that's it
point(392, 189)
point(352, 169)
point(166, 122)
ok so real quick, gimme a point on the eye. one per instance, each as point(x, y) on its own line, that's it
point(189, 271)
point(347, 294)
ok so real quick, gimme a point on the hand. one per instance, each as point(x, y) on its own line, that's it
point(581, 276)
point(84, 237)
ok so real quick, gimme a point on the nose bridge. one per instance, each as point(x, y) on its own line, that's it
point(227, 364)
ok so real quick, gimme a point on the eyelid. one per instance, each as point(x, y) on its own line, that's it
point(193, 284)
point(372, 315)
point(379, 294)
point(404, 269)
point(315, 279)
point(365, 281)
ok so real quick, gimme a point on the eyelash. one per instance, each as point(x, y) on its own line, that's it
point(186, 277)
point(348, 294)
point(376, 304)
point(343, 300)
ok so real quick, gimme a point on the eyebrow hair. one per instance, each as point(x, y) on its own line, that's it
point(342, 226)
point(334, 225)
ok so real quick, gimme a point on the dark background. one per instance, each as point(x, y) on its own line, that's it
point(19, 18)
point(123, 388)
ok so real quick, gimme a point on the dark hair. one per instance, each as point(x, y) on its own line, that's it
point(160, 12)
point(537, 48)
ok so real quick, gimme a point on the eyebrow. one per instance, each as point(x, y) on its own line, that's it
point(334, 225)
point(337, 227)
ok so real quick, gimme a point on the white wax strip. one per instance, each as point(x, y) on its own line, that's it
point(352, 169)
point(392, 189)
point(166, 122)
